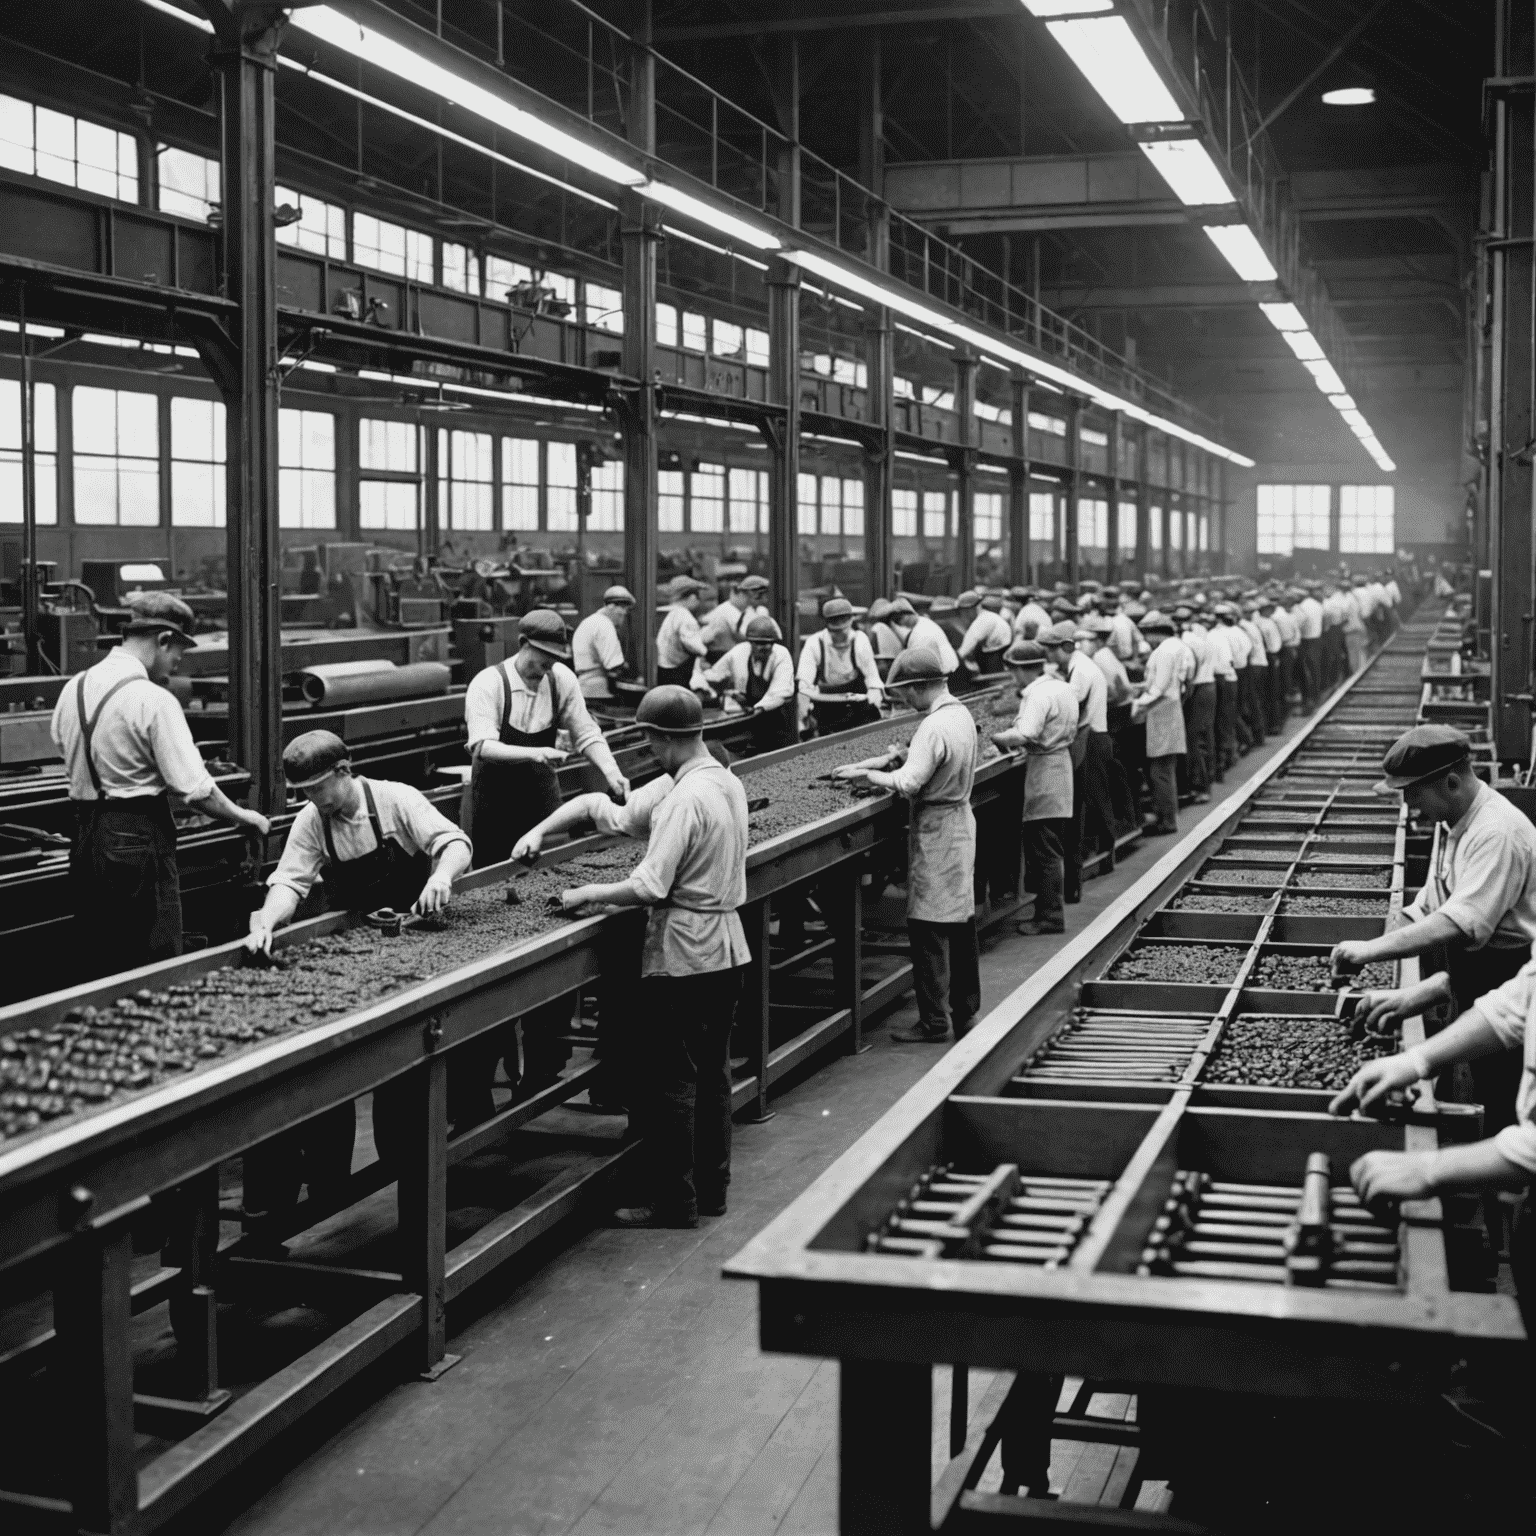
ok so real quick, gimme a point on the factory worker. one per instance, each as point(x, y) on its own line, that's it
point(1500, 1024)
point(936, 777)
point(726, 625)
point(693, 879)
point(838, 678)
point(1160, 701)
point(1254, 688)
point(1274, 695)
point(1031, 613)
point(987, 636)
point(1337, 609)
point(759, 677)
point(1309, 620)
point(919, 632)
point(127, 748)
point(1233, 646)
point(1044, 731)
point(1479, 902)
point(1287, 666)
point(1199, 706)
point(887, 643)
point(597, 655)
point(514, 711)
point(1093, 642)
point(679, 642)
point(1064, 660)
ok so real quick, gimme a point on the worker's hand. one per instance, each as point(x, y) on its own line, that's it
point(259, 940)
point(1379, 1011)
point(1349, 957)
point(1382, 1176)
point(435, 896)
point(551, 757)
point(851, 775)
point(255, 822)
point(577, 896)
point(529, 846)
point(1374, 1081)
point(618, 788)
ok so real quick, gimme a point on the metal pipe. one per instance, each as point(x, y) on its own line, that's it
point(420, 680)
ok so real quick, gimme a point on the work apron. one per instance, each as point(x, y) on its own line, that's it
point(777, 727)
point(941, 862)
point(842, 717)
point(991, 663)
point(508, 799)
point(1165, 728)
point(127, 892)
point(678, 676)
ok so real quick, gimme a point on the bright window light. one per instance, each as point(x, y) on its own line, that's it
point(712, 218)
point(1114, 63)
point(1350, 96)
point(1284, 317)
point(1187, 167)
point(373, 47)
point(1066, 7)
point(1326, 377)
point(1304, 345)
point(1241, 248)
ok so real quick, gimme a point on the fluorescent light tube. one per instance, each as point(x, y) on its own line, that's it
point(1350, 96)
point(201, 23)
point(1386, 464)
point(1356, 422)
point(1326, 377)
point(711, 217)
point(1304, 345)
point(1114, 63)
point(373, 47)
point(1284, 317)
point(855, 282)
point(1342, 402)
point(1243, 252)
point(1187, 167)
point(1067, 7)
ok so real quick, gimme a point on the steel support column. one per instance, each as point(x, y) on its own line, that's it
point(28, 408)
point(1074, 462)
point(1143, 504)
point(964, 463)
point(783, 434)
point(1112, 554)
point(1018, 485)
point(880, 461)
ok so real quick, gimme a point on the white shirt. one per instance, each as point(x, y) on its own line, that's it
point(941, 757)
point(1258, 656)
point(1197, 641)
point(927, 633)
point(1271, 633)
point(678, 638)
point(1031, 613)
point(1221, 653)
point(736, 667)
point(886, 641)
point(1365, 599)
point(1309, 616)
point(1394, 594)
point(1048, 716)
point(1507, 1011)
point(1090, 690)
point(1125, 639)
point(724, 625)
point(1289, 629)
point(988, 632)
point(595, 652)
point(1116, 680)
point(1238, 644)
point(822, 662)
point(1485, 881)
point(405, 815)
point(141, 745)
point(694, 874)
point(1167, 668)
point(556, 701)
point(633, 818)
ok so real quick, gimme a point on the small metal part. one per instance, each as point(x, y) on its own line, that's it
point(387, 921)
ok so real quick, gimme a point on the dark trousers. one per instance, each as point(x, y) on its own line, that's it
point(1226, 722)
point(317, 1153)
point(683, 1048)
point(1290, 657)
point(1200, 737)
point(1164, 772)
point(1096, 820)
point(1044, 866)
point(946, 973)
point(1131, 753)
point(1255, 695)
point(1496, 1079)
point(124, 884)
point(1311, 673)
point(1277, 692)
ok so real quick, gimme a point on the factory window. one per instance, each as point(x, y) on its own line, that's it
point(502, 276)
point(117, 457)
point(694, 330)
point(1127, 528)
point(984, 410)
point(1366, 520)
point(666, 325)
point(607, 515)
point(748, 500)
point(806, 504)
point(935, 507)
point(560, 488)
point(45, 457)
point(944, 399)
point(197, 463)
point(1054, 425)
point(559, 293)
point(904, 514)
point(605, 308)
point(465, 490)
point(189, 184)
point(391, 248)
point(726, 339)
point(757, 348)
point(669, 500)
point(306, 469)
point(1292, 517)
point(461, 268)
point(1042, 517)
point(58, 147)
point(1092, 524)
point(987, 512)
point(853, 509)
point(1092, 437)
point(1155, 528)
point(1175, 528)
point(831, 505)
point(706, 491)
point(520, 484)
point(387, 447)
point(902, 389)
point(321, 227)
point(1205, 532)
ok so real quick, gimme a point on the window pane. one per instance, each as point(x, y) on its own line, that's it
point(44, 458)
point(707, 492)
point(935, 505)
point(669, 500)
point(831, 504)
point(807, 504)
point(520, 483)
point(1128, 527)
point(16, 135)
point(693, 331)
point(904, 513)
point(560, 508)
point(197, 495)
point(189, 183)
point(1042, 516)
point(743, 493)
point(520, 508)
point(666, 325)
point(386, 445)
point(853, 509)
point(607, 515)
point(605, 308)
point(727, 339)
point(757, 348)
point(95, 426)
point(387, 504)
point(987, 513)
point(321, 228)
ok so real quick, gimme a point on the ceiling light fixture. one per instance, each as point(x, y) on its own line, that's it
point(1284, 317)
point(1350, 96)
point(1326, 377)
point(1243, 252)
point(1111, 58)
point(1187, 167)
point(1304, 344)
point(1342, 402)
point(717, 219)
point(1046, 8)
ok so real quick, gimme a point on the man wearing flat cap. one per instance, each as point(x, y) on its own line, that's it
point(1479, 902)
point(679, 641)
point(758, 677)
point(837, 674)
point(127, 748)
point(597, 654)
point(726, 625)
point(987, 636)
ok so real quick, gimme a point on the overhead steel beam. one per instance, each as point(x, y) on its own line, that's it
point(1163, 296)
point(959, 10)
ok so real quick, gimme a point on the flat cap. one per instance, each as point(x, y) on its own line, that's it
point(1422, 753)
point(153, 612)
point(1020, 594)
point(918, 665)
point(672, 710)
point(1157, 623)
point(1096, 625)
point(902, 607)
point(1025, 653)
point(943, 605)
point(969, 600)
point(682, 586)
point(311, 757)
point(879, 610)
point(1064, 633)
point(837, 611)
point(619, 595)
point(752, 584)
point(544, 630)
point(763, 628)
point(992, 603)
point(1064, 606)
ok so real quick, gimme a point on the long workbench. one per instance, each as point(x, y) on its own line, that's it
point(75, 1190)
point(1127, 1175)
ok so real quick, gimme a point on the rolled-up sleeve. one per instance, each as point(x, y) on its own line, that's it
point(482, 708)
point(810, 662)
point(924, 757)
point(672, 829)
point(780, 679)
point(1518, 1143)
point(1505, 1009)
point(181, 765)
point(424, 824)
point(864, 660)
point(303, 855)
point(586, 734)
point(1490, 878)
point(634, 817)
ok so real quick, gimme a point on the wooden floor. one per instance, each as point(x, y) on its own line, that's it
point(618, 1386)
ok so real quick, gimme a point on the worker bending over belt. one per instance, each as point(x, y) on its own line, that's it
point(922, 633)
point(127, 748)
point(759, 677)
point(679, 641)
point(987, 636)
point(597, 655)
point(693, 878)
point(373, 843)
point(1479, 901)
point(837, 673)
point(726, 625)
point(936, 777)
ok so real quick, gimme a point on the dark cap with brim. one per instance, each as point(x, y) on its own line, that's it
point(544, 630)
point(914, 667)
point(313, 756)
point(152, 613)
point(1425, 752)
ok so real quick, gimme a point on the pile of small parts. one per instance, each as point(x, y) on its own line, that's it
point(1345, 880)
point(1231, 874)
point(1314, 973)
point(1203, 964)
point(1219, 901)
point(1293, 1051)
point(1333, 906)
